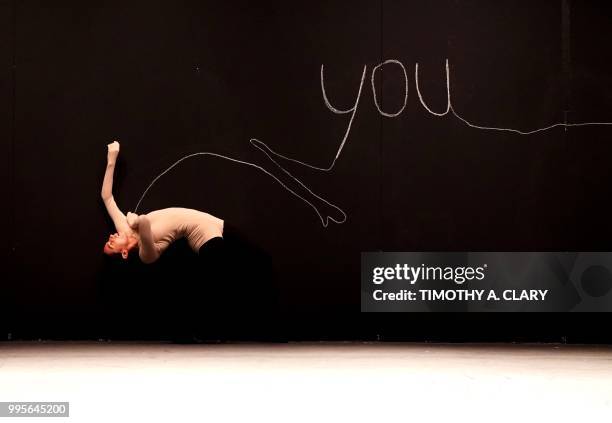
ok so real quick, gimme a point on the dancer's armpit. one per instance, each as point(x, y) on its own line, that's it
point(148, 251)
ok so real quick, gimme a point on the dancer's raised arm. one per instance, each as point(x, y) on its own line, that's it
point(107, 189)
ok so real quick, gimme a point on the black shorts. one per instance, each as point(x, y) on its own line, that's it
point(232, 258)
point(236, 274)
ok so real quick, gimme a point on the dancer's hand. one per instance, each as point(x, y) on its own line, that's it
point(113, 152)
point(132, 220)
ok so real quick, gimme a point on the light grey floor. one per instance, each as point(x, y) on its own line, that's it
point(109, 382)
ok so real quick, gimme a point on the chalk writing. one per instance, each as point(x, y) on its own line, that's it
point(311, 198)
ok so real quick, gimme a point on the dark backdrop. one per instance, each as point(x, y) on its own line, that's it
point(171, 78)
point(7, 140)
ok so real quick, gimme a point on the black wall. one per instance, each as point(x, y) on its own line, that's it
point(6, 144)
point(171, 78)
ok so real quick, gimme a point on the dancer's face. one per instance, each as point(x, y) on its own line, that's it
point(117, 244)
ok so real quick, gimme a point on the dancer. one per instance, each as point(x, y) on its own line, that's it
point(151, 234)
point(233, 276)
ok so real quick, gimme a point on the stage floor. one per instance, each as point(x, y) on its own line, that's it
point(337, 382)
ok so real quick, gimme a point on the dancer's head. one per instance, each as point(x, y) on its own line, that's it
point(120, 243)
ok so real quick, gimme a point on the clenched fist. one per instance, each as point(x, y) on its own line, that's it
point(113, 152)
point(132, 220)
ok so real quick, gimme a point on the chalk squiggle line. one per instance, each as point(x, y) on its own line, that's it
point(450, 108)
point(263, 147)
point(324, 219)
